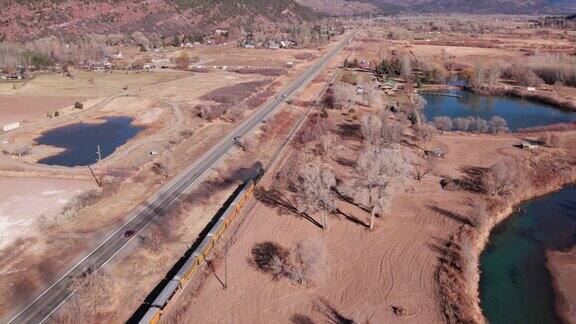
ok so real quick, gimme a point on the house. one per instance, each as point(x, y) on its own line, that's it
point(360, 89)
point(286, 44)
point(389, 84)
point(531, 88)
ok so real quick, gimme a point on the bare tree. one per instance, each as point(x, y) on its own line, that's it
point(371, 93)
point(425, 133)
point(443, 123)
point(163, 167)
point(550, 140)
point(343, 95)
point(306, 261)
point(493, 74)
point(462, 124)
point(425, 167)
point(183, 60)
point(406, 67)
point(371, 129)
point(377, 168)
point(502, 179)
point(498, 125)
point(379, 131)
point(479, 125)
point(314, 191)
point(479, 75)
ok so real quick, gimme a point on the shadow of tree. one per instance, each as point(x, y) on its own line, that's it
point(345, 162)
point(301, 319)
point(275, 199)
point(352, 218)
point(472, 179)
point(349, 131)
point(331, 314)
point(349, 200)
point(452, 215)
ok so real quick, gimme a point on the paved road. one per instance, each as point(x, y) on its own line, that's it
point(45, 304)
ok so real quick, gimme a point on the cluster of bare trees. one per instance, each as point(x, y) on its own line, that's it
point(46, 52)
point(377, 130)
point(552, 68)
point(550, 139)
point(448, 23)
point(503, 179)
point(425, 133)
point(377, 169)
point(495, 125)
point(314, 191)
point(344, 95)
point(485, 75)
point(17, 149)
point(300, 264)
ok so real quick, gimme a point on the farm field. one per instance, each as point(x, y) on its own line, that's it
point(21, 108)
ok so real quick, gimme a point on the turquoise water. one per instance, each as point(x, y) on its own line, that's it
point(518, 112)
point(81, 140)
point(515, 285)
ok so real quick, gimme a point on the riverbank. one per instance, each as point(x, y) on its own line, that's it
point(545, 176)
point(561, 266)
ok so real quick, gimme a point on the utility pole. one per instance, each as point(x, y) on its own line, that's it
point(99, 153)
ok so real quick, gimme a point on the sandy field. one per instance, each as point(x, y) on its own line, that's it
point(21, 108)
point(21, 197)
point(367, 274)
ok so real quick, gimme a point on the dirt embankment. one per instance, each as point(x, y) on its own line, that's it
point(544, 173)
point(561, 266)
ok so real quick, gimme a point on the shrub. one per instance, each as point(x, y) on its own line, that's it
point(462, 124)
point(550, 140)
point(479, 125)
point(552, 68)
point(443, 123)
point(78, 105)
point(498, 125)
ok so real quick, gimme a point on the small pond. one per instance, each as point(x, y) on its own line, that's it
point(81, 140)
point(515, 284)
point(518, 112)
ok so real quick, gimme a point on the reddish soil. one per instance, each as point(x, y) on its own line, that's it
point(21, 108)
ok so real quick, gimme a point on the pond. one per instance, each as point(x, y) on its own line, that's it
point(515, 284)
point(81, 140)
point(518, 112)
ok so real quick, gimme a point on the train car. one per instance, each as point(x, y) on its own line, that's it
point(152, 316)
point(166, 294)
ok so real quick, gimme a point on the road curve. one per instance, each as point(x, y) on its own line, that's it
point(40, 308)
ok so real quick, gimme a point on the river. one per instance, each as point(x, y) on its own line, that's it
point(518, 112)
point(515, 284)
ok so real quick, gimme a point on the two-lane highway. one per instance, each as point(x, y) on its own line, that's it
point(39, 309)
